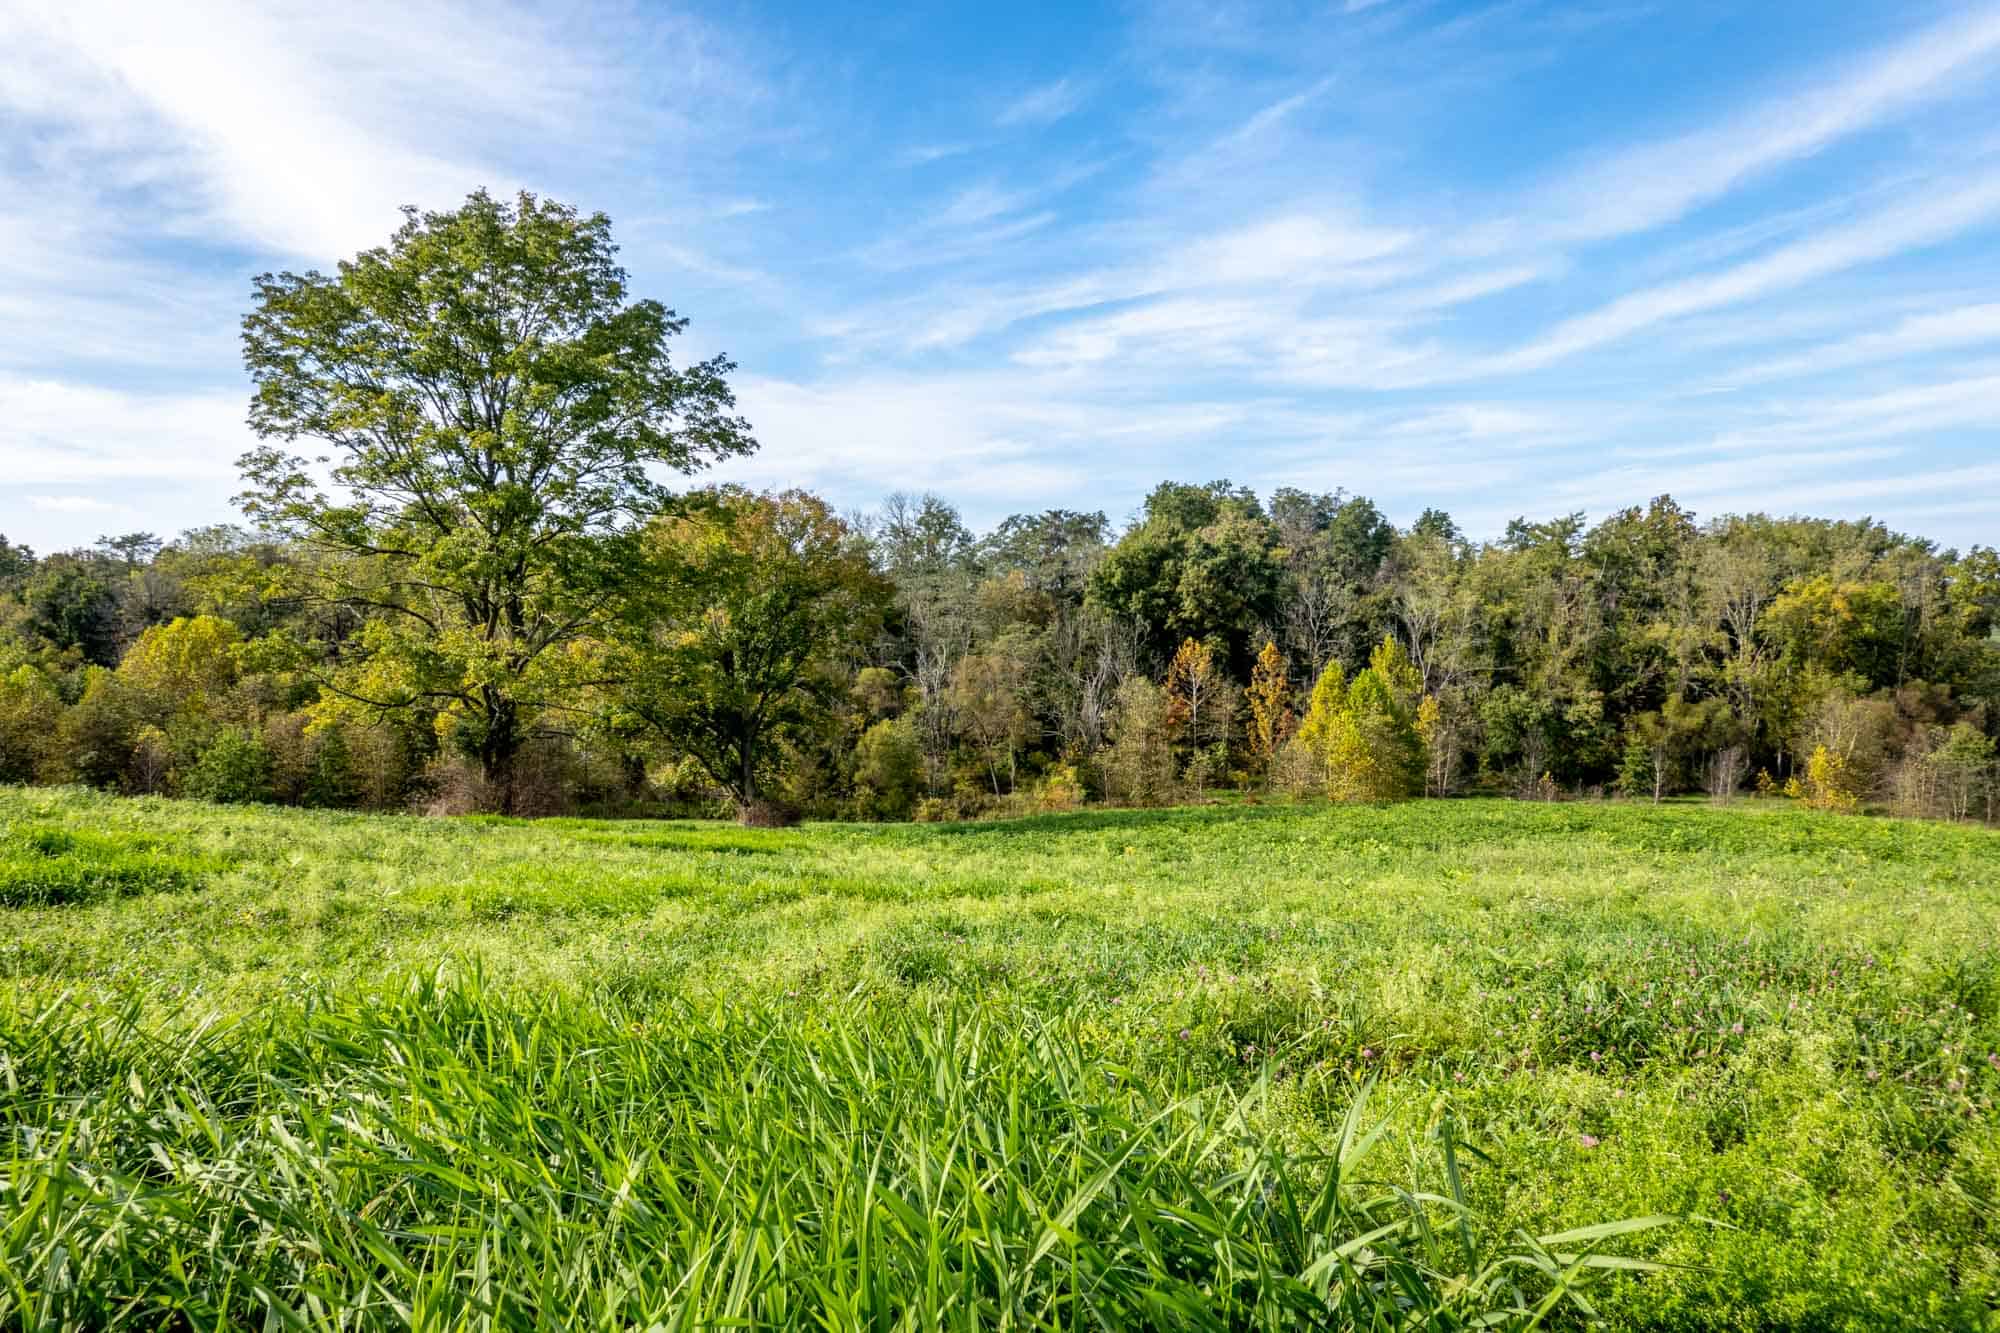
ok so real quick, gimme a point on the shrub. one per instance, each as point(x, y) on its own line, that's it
point(152, 761)
point(97, 735)
point(1829, 782)
point(1206, 768)
point(233, 769)
point(330, 775)
point(1139, 764)
point(1061, 788)
point(1297, 772)
point(185, 665)
point(1636, 772)
point(1365, 733)
point(888, 769)
point(1947, 773)
point(30, 714)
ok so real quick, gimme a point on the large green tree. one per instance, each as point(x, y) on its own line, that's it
point(748, 597)
point(1203, 563)
point(496, 415)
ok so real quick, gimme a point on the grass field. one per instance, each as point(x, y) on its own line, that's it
point(1224, 1067)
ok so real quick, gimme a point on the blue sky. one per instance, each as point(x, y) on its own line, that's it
point(1503, 258)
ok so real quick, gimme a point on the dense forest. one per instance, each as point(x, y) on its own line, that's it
point(483, 596)
point(902, 665)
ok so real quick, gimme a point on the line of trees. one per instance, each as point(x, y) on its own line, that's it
point(466, 583)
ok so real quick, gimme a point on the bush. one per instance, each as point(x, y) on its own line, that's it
point(30, 713)
point(1829, 783)
point(888, 769)
point(1061, 788)
point(1297, 772)
point(96, 737)
point(235, 768)
point(330, 777)
point(1207, 768)
point(1139, 764)
point(1947, 773)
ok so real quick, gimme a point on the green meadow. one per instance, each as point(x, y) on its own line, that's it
point(1236, 1066)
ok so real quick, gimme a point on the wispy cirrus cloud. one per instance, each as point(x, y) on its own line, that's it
point(1891, 231)
point(1042, 106)
point(1645, 186)
point(1960, 326)
point(1367, 245)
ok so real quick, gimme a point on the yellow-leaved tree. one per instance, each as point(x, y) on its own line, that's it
point(184, 667)
point(1829, 785)
point(1365, 733)
point(1193, 689)
point(1271, 719)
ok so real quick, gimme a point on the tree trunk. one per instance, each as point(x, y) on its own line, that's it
point(752, 809)
point(498, 749)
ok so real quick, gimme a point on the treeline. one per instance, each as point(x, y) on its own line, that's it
point(896, 665)
point(476, 591)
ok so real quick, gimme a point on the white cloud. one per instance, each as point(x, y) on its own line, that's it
point(1872, 490)
point(1891, 231)
point(921, 155)
point(1658, 182)
point(300, 128)
point(1931, 332)
point(1279, 302)
point(70, 504)
point(1269, 118)
point(68, 435)
point(1042, 106)
point(72, 453)
point(1296, 248)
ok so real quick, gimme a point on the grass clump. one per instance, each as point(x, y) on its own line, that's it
point(47, 865)
point(450, 1156)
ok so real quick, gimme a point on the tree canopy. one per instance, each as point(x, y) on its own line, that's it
point(497, 414)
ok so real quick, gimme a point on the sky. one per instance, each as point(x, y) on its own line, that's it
point(1502, 258)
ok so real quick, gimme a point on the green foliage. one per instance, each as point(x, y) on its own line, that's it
point(186, 664)
point(1365, 733)
point(30, 718)
point(234, 767)
point(747, 597)
point(1538, 665)
point(492, 457)
point(1204, 565)
point(889, 768)
point(98, 733)
point(1841, 626)
point(1638, 776)
point(1138, 765)
point(1662, 746)
point(332, 778)
point(71, 605)
point(1829, 782)
point(16, 561)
